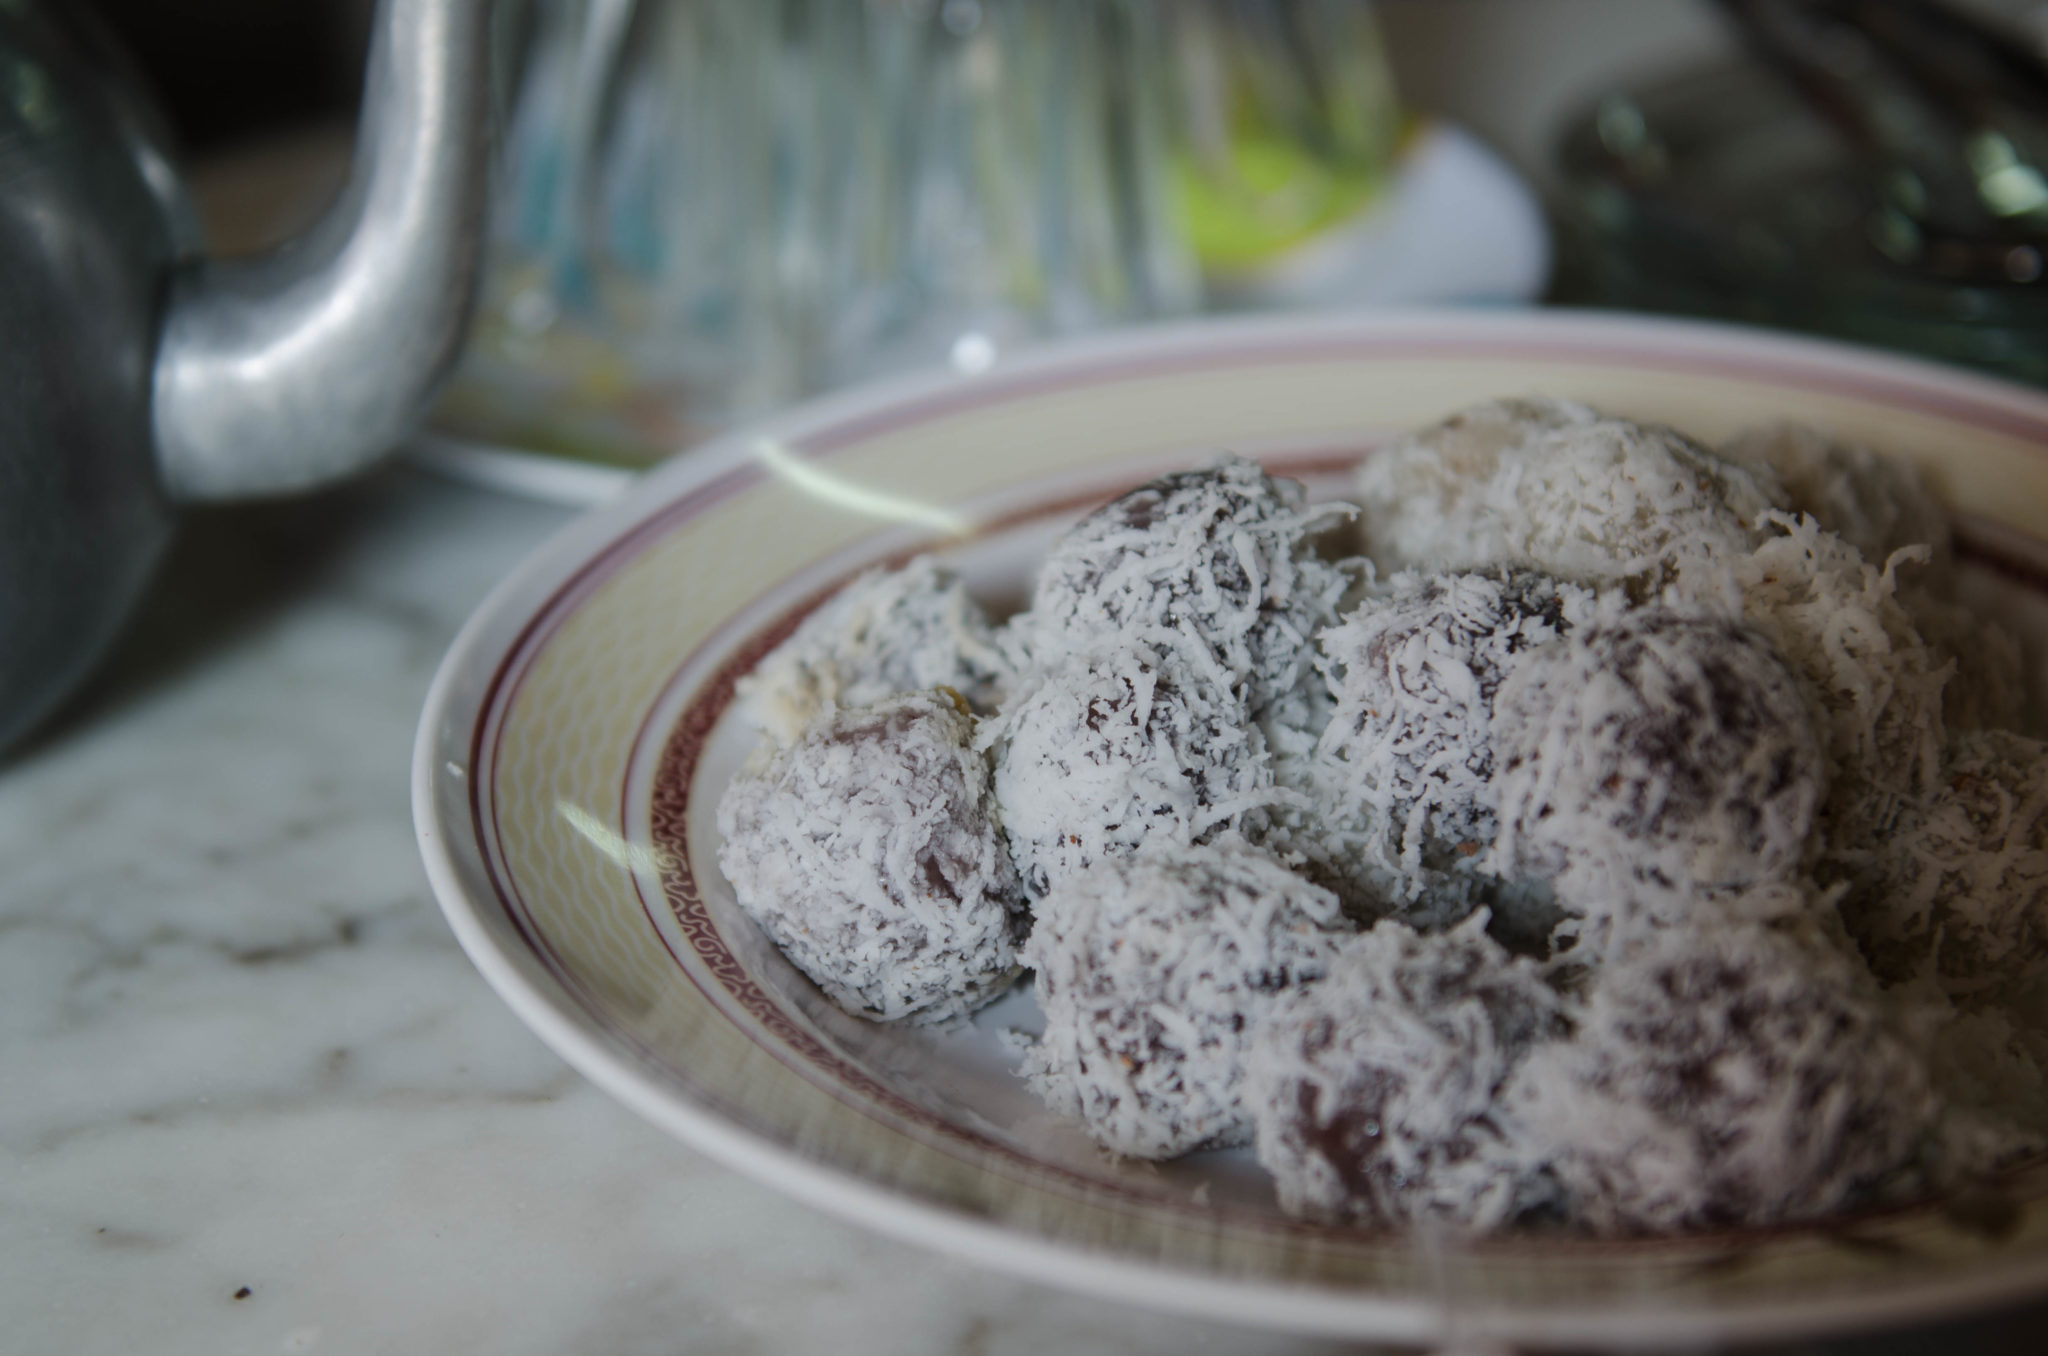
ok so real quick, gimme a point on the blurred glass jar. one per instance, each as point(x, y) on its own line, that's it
point(707, 208)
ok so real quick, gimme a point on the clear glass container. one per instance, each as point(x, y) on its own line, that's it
point(711, 207)
point(708, 208)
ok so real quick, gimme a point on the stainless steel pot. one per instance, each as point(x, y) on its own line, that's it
point(135, 376)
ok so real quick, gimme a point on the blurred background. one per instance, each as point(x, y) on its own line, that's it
point(708, 208)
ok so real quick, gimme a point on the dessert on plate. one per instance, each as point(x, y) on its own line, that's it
point(1580, 829)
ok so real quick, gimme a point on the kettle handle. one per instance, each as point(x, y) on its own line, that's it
point(282, 372)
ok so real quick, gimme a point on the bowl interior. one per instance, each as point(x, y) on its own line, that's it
point(578, 740)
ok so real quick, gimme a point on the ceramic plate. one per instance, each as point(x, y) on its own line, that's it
point(581, 730)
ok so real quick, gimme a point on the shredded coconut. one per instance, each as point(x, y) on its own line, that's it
point(888, 632)
point(1220, 560)
point(1098, 755)
point(1876, 684)
point(1876, 504)
point(1405, 763)
point(1654, 757)
point(1373, 1089)
point(1958, 889)
point(1990, 1070)
point(870, 851)
point(1986, 689)
point(1293, 826)
point(1718, 1076)
point(1556, 487)
point(1880, 506)
point(1150, 969)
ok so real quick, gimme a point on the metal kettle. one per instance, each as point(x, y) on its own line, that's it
point(135, 376)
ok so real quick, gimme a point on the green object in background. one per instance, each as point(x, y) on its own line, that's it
point(1284, 124)
point(1271, 195)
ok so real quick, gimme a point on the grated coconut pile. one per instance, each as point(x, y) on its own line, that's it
point(1633, 838)
point(1151, 970)
point(886, 633)
point(868, 850)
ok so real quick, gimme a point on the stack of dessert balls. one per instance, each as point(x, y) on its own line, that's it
point(1581, 829)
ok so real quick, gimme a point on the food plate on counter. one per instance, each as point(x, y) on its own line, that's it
point(583, 728)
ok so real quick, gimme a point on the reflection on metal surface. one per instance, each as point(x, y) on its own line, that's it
point(277, 373)
point(846, 494)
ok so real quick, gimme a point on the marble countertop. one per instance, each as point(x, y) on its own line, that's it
point(253, 1099)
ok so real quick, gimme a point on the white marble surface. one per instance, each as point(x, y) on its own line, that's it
point(240, 1052)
